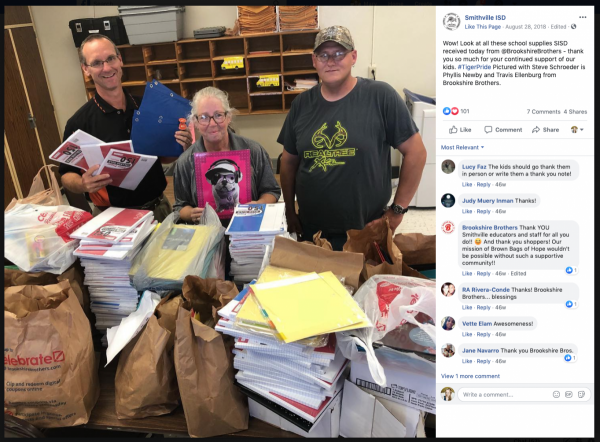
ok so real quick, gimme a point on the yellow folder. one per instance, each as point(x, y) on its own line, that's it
point(309, 305)
point(249, 312)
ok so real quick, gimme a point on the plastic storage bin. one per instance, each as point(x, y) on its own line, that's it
point(152, 24)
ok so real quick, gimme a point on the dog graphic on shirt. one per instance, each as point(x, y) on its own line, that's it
point(224, 176)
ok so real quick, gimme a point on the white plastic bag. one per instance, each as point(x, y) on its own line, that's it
point(36, 238)
point(389, 302)
point(175, 251)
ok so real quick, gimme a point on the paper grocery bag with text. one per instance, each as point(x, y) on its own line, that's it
point(290, 254)
point(212, 404)
point(50, 369)
point(416, 248)
point(145, 383)
point(367, 241)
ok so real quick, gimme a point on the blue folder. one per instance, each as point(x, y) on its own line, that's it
point(156, 121)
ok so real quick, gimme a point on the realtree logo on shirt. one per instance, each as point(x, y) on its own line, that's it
point(326, 158)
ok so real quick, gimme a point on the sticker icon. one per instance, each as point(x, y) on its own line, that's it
point(447, 227)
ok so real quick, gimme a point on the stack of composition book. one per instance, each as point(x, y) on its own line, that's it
point(284, 328)
point(108, 244)
point(252, 228)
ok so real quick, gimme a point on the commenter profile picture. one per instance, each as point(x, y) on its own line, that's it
point(448, 350)
point(448, 323)
point(447, 394)
point(448, 200)
point(448, 166)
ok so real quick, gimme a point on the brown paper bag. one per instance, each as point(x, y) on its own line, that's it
point(290, 254)
point(319, 242)
point(416, 248)
point(145, 383)
point(361, 241)
point(38, 194)
point(212, 404)
point(73, 274)
point(50, 369)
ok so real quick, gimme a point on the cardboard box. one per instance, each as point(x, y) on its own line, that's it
point(328, 424)
point(364, 415)
point(410, 378)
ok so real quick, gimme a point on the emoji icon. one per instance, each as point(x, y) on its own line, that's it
point(556, 394)
point(478, 241)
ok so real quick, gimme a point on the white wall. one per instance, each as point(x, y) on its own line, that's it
point(404, 52)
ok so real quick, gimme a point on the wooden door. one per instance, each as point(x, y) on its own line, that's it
point(10, 191)
point(31, 131)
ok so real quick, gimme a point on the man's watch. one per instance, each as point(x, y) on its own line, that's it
point(398, 209)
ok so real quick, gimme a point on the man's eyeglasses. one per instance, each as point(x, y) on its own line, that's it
point(99, 64)
point(204, 119)
point(324, 57)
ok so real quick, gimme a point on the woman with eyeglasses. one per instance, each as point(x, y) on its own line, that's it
point(212, 115)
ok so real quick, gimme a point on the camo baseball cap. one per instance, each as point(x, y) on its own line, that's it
point(338, 34)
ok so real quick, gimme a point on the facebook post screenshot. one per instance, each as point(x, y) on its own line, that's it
point(278, 220)
point(515, 149)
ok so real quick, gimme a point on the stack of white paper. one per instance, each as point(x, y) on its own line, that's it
point(300, 378)
point(252, 228)
point(106, 267)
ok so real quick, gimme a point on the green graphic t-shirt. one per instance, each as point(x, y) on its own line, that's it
point(344, 178)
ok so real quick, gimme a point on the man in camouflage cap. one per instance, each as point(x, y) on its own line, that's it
point(338, 34)
point(336, 138)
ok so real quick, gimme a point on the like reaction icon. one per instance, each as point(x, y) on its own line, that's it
point(453, 130)
point(446, 111)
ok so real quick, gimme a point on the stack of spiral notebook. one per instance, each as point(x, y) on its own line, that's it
point(106, 267)
point(251, 230)
point(294, 380)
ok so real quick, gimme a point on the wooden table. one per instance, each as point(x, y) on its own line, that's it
point(104, 416)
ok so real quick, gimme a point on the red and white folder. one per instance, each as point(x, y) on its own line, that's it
point(126, 169)
point(112, 225)
point(70, 151)
point(96, 153)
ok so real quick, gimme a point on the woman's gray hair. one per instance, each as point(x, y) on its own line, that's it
point(209, 92)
